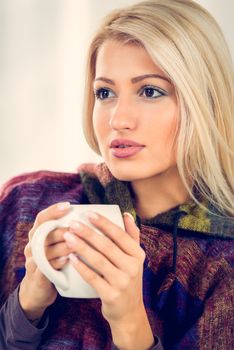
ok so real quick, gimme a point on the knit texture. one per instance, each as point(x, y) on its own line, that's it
point(190, 307)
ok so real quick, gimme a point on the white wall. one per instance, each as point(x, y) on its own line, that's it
point(42, 45)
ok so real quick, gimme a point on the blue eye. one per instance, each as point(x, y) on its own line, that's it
point(151, 92)
point(103, 93)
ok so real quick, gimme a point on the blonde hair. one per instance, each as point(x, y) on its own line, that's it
point(184, 40)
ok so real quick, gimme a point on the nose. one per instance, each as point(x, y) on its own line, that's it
point(123, 115)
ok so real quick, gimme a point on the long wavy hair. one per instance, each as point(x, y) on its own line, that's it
point(185, 41)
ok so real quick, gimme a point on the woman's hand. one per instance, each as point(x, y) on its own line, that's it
point(118, 261)
point(36, 291)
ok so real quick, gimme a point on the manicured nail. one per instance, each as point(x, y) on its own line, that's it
point(75, 225)
point(70, 238)
point(62, 258)
point(73, 257)
point(91, 215)
point(63, 206)
point(129, 215)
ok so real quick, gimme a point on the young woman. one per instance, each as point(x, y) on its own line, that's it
point(159, 109)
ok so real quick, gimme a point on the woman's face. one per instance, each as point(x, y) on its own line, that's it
point(135, 113)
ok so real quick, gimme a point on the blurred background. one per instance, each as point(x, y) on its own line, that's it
point(43, 47)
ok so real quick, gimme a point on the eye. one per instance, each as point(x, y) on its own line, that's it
point(104, 93)
point(151, 92)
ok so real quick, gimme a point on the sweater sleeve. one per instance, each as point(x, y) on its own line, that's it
point(157, 346)
point(16, 331)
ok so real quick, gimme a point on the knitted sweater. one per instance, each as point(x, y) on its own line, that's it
point(187, 280)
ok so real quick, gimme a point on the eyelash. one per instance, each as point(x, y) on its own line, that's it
point(160, 92)
point(98, 92)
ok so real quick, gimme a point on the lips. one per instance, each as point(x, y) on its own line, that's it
point(122, 143)
point(122, 148)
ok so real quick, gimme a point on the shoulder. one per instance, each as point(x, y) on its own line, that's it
point(39, 179)
point(24, 196)
point(42, 188)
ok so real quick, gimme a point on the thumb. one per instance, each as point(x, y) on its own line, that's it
point(131, 227)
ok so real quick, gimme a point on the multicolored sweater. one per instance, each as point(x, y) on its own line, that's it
point(188, 272)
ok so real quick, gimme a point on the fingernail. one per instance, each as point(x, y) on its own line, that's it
point(75, 225)
point(62, 258)
point(129, 215)
point(73, 257)
point(63, 206)
point(91, 215)
point(70, 238)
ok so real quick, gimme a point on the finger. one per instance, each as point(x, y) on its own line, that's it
point(34, 273)
point(58, 250)
point(55, 211)
point(103, 288)
point(55, 236)
point(59, 263)
point(131, 227)
point(30, 265)
point(92, 257)
point(27, 250)
point(100, 243)
point(115, 233)
point(95, 260)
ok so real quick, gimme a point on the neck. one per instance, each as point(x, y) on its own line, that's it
point(159, 193)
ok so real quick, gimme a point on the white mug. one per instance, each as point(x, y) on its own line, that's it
point(68, 281)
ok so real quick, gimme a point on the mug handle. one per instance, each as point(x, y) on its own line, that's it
point(39, 256)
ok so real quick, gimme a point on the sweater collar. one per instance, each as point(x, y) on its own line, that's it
point(102, 188)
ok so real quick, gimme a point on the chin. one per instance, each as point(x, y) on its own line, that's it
point(124, 172)
point(121, 175)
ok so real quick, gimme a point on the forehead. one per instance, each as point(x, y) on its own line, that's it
point(125, 57)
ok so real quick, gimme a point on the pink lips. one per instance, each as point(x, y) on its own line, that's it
point(122, 148)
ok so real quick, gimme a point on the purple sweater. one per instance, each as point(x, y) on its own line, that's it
point(187, 279)
point(18, 333)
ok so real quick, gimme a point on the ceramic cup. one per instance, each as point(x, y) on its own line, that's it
point(68, 281)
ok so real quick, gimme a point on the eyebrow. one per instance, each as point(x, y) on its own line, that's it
point(135, 79)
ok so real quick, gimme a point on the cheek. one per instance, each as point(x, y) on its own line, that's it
point(163, 122)
point(171, 132)
point(96, 121)
point(171, 138)
point(166, 133)
point(100, 125)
